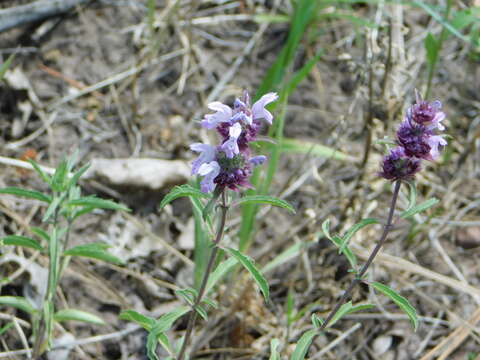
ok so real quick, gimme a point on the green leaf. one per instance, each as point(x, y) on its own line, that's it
point(97, 203)
point(338, 241)
point(24, 241)
point(144, 321)
point(182, 191)
point(31, 194)
point(210, 302)
point(419, 208)
point(202, 312)
point(4, 67)
point(74, 179)
point(18, 302)
point(163, 324)
point(211, 203)
point(5, 328)
point(95, 250)
point(303, 344)
point(354, 229)
point(222, 269)
point(432, 48)
point(317, 321)
point(41, 233)
point(348, 308)
point(43, 175)
point(274, 354)
point(264, 199)
point(59, 177)
point(77, 315)
point(401, 302)
point(188, 295)
point(248, 264)
point(52, 208)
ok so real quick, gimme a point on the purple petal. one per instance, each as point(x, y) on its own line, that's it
point(230, 147)
point(435, 142)
point(207, 154)
point(209, 171)
point(258, 160)
point(258, 109)
point(223, 113)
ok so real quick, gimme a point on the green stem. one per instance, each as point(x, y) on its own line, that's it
point(206, 275)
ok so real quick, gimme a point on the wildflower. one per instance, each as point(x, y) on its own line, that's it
point(398, 166)
point(417, 140)
point(230, 164)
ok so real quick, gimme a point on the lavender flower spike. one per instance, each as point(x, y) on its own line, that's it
point(230, 147)
point(426, 113)
point(223, 114)
point(258, 109)
point(398, 166)
point(207, 154)
point(209, 171)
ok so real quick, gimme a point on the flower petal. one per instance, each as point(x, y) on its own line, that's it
point(258, 109)
point(207, 154)
point(209, 171)
point(223, 113)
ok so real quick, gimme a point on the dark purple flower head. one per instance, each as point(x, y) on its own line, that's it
point(230, 164)
point(426, 113)
point(398, 166)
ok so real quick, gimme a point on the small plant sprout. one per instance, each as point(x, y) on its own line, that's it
point(64, 205)
point(417, 139)
point(225, 170)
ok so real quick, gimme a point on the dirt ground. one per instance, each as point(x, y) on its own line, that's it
point(99, 80)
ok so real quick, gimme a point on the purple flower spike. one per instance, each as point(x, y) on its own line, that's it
point(398, 166)
point(434, 142)
point(426, 113)
point(230, 147)
point(223, 114)
point(209, 171)
point(207, 154)
point(258, 160)
point(258, 109)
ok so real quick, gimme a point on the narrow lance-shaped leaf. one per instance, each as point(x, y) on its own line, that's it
point(77, 315)
point(95, 251)
point(4, 67)
point(182, 191)
point(18, 302)
point(222, 269)
point(338, 241)
point(43, 175)
point(264, 199)
point(349, 308)
point(40, 233)
point(94, 202)
point(248, 264)
point(144, 321)
point(419, 208)
point(31, 194)
point(398, 299)
point(24, 241)
point(349, 234)
point(303, 345)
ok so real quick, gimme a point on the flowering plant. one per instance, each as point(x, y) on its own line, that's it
point(229, 165)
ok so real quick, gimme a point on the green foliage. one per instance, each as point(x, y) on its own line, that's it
point(97, 203)
point(5, 328)
point(24, 241)
point(18, 302)
point(317, 321)
point(398, 299)
point(95, 250)
point(248, 264)
point(419, 208)
point(182, 191)
point(264, 199)
point(222, 269)
point(30, 194)
point(77, 315)
point(144, 321)
point(303, 344)
point(349, 308)
point(349, 234)
point(4, 67)
point(339, 242)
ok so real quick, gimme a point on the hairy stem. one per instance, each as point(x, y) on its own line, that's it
point(370, 259)
point(206, 275)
